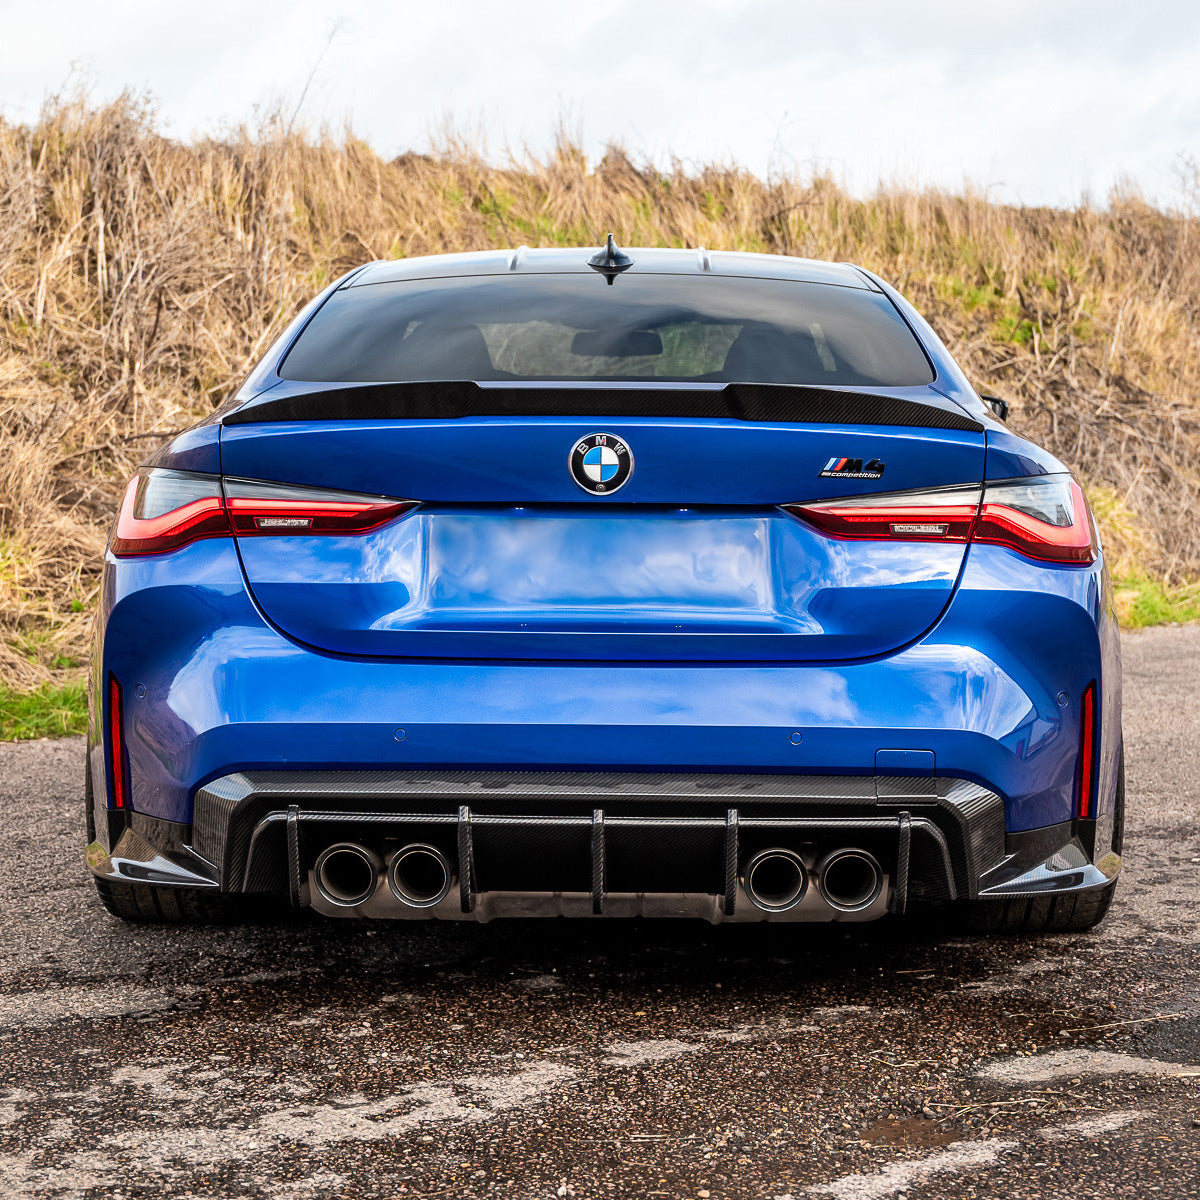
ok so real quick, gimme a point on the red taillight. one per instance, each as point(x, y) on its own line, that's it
point(1085, 770)
point(941, 515)
point(1044, 517)
point(164, 510)
point(116, 741)
point(267, 509)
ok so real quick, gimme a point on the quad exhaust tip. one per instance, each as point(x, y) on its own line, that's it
point(850, 880)
point(775, 880)
point(346, 873)
point(420, 876)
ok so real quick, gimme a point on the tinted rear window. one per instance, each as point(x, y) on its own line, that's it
point(673, 328)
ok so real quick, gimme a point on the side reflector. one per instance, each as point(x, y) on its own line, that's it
point(1085, 771)
point(116, 741)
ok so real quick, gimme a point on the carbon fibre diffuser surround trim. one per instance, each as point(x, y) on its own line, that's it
point(452, 400)
point(239, 819)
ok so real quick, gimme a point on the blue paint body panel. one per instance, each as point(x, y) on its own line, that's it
point(1012, 457)
point(474, 582)
point(508, 558)
point(514, 621)
point(514, 460)
point(226, 691)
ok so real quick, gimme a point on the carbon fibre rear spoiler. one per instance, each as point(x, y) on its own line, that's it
point(451, 400)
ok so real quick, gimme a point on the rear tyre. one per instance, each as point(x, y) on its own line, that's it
point(1054, 914)
point(89, 811)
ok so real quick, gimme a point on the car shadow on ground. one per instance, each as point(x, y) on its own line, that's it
point(882, 964)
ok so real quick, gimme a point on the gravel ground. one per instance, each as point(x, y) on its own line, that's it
point(323, 1059)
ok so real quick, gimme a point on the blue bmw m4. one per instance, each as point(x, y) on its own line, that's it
point(633, 583)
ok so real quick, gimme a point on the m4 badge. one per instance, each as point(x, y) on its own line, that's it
point(852, 468)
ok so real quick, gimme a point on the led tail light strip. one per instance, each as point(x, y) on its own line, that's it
point(1044, 517)
point(164, 510)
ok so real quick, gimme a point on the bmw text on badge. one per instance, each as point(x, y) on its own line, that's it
point(601, 463)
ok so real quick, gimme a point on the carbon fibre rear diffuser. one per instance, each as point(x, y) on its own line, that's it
point(465, 823)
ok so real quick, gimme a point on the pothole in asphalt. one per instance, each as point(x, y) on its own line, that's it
point(913, 1132)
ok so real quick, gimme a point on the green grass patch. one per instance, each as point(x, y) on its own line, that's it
point(52, 710)
point(1142, 601)
point(1014, 329)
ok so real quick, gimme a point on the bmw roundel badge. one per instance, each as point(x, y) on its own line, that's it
point(601, 463)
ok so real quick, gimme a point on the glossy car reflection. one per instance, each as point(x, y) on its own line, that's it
point(841, 646)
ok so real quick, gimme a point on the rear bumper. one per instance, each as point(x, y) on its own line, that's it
point(987, 700)
point(593, 844)
point(991, 694)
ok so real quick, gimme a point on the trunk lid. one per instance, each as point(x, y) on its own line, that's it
point(508, 557)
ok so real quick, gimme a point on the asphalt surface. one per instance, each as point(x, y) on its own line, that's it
point(312, 1058)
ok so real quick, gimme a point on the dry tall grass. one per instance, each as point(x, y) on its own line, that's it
point(140, 277)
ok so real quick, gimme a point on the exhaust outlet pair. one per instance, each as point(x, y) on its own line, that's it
point(348, 873)
point(849, 880)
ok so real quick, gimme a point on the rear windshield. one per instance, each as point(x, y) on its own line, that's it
point(674, 328)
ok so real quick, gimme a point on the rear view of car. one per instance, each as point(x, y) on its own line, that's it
point(646, 583)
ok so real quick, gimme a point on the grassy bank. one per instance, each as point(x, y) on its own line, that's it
point(1142, 602)
point(52, 710)
point(140, 276)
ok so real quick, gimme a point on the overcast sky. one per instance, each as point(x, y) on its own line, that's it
point(1036, 101)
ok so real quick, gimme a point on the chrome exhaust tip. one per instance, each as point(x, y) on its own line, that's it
point(775, 880)
point(850, 879)
point(346, 873)
point(420, 876)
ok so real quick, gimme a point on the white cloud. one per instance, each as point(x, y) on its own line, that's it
point(1037, 99)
